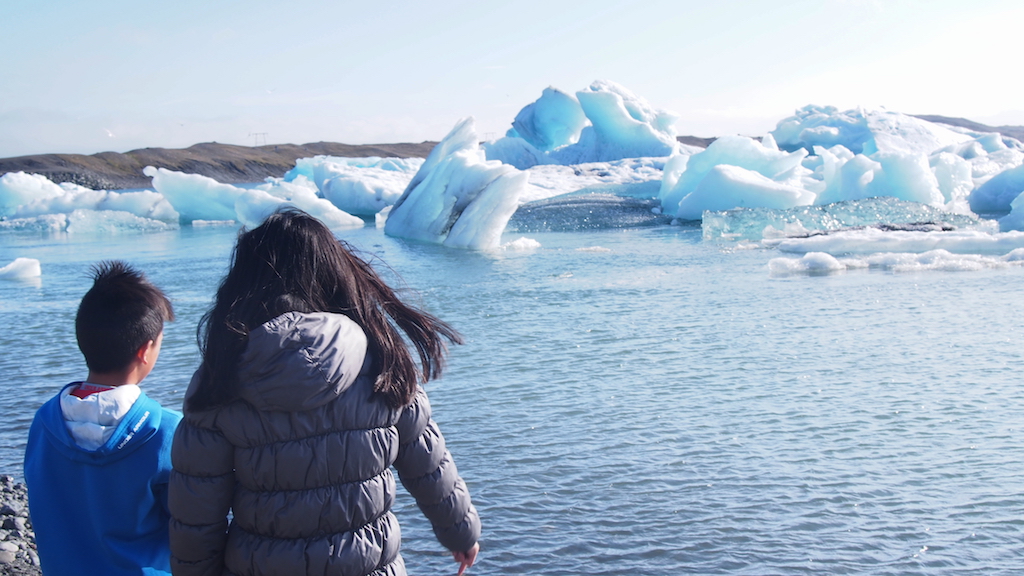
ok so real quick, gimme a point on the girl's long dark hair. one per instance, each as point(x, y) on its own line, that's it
point(292, 262)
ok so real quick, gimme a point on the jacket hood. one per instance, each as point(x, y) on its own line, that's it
point(301, 361)
point(140, 423)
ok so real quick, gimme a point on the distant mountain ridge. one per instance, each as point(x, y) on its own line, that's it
point(232, 163)
point(222, 162)
point(1011, 131)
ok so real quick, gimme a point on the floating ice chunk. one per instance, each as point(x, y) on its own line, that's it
point(999, 193)
point(782, 167)
point(812, 262)
point(19, 188)
point(863, 131)
point(359, 186)
point(622, 125)
point(873, 240)
point(522, 244)
point(726, 186)
point(202, 198)
point(21, 269)
point(554, 120)
point(195, 197)
point(758, 223)
point(112, 222)
point(902, 175)
point(458, 198)
point(940, 260)
point(953, 176)
point(28, 195)
point(253, 206)
point(47, 223)
point(673, 170)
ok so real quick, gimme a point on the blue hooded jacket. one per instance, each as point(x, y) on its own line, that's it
point(101, 513)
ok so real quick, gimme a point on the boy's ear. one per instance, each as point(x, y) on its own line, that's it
point(144, 353)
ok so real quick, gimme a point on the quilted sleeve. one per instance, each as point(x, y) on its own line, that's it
point(199, 497)
point(428, 472)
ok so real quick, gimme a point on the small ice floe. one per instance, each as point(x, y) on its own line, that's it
point(21, 269)
point(522, 244)
point(595, 249)
point(810, 263)
point(937, 260)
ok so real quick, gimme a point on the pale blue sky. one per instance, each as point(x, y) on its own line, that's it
point(122, 74)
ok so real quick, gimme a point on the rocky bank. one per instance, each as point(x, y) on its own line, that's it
point(17, 540)
point(222, 162)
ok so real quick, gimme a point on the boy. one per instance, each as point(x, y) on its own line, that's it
point(98, 453)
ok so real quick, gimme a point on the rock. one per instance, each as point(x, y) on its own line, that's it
point(7, 557)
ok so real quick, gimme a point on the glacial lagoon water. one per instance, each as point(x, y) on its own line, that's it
point(641, 402)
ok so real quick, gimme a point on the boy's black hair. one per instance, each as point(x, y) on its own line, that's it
point(118, 315)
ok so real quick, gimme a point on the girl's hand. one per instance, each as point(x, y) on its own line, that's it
point(466, 559)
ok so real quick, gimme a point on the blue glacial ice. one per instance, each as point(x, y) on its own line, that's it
point(843, 156)
point(604, 122)
point(458, 198)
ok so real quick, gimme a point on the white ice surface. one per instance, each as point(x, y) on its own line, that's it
point(20, 269)
point(873, 241)
point(359, 186)
point(943, 260)
point(28, 195)
point(198, 197)
point(863, 131)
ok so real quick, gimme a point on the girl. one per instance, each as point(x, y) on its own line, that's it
point(307, 395)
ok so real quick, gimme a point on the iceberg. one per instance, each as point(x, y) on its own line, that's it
point(29, 195)
point(603, 123)
point(21, 269)
point(838, 156)
point(742, 172)
point(458, 198)
point(359, 186)
point(863, 131)
point(198, 197)
point(902, 175)
point(555, 120)
point(999, 193)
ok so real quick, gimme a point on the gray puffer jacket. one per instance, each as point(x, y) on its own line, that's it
point(303, 463)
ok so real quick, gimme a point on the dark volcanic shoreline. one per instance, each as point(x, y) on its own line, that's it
point(222, 162)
